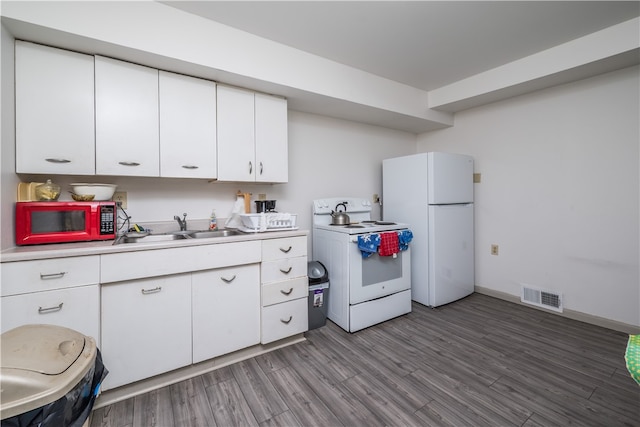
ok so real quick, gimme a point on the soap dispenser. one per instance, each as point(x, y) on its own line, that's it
point(213, 221)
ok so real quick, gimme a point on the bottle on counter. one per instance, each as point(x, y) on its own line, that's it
point(213, 221)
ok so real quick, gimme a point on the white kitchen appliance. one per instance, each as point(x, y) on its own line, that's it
point(433, 193)
point(363, 291)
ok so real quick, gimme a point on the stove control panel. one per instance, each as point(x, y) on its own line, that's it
point(340, 204)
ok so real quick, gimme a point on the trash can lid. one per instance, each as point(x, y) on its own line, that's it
point(316, 272)
point(41, 363)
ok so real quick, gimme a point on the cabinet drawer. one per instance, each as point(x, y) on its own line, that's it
point(136, 265)
point(283, 320)
point(284, 248)
point(284, 269)
point(48, 274)
point(76, 308)
point(287, 290)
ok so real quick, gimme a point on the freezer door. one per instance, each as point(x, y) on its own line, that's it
point(450, 178)
point(451, 253)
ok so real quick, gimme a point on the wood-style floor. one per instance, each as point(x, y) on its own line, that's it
point(477, 362)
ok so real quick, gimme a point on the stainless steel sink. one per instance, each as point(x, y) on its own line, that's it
point(152, 238)
point(177, 235)
point(205, 234)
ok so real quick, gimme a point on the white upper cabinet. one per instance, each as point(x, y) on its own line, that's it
point(272, 148)
point(236, 135)
point(252, 136)
point(54, 111)
point(127, 119)
point(187, 127)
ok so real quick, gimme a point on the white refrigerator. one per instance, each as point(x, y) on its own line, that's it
point(433, 193)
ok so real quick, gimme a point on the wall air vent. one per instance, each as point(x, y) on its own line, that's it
point(541, 298)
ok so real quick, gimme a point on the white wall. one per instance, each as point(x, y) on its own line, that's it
point(559, 192)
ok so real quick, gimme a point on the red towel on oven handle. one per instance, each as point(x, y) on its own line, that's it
point(389, 244)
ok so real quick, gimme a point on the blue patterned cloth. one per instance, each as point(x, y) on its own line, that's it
point(404, 237)
point(368, 244)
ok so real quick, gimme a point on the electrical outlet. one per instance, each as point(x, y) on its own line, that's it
point(376, 198)
point(121, 196)
point(494, 249)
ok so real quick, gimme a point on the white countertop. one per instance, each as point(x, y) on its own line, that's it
point(63, 250)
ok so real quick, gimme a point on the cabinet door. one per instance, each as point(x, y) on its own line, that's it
point(226, 310)
point(55, 131)
point(127, 130)
point(236, 135)
point(146, 327)
point(272, 156)
point(75, 308)
point(187, 127)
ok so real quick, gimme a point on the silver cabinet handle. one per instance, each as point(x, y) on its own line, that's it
point(287, 250)
point(261, 168)
point(287, 271)
point(250, 168)
point(52, 275)
point(151, 291)
point(58, 160)
point(286, 322)
point(45, 310)
point(129, 163)
point(189, 167)
point(286, 292)
point(228, 280)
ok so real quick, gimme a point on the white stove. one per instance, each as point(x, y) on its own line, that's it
point(363, 290)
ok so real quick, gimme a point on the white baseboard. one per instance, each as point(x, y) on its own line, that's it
point(570, 314)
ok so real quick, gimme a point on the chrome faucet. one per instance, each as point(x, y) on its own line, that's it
point(182, 222)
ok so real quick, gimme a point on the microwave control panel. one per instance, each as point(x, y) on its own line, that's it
point(107, 218)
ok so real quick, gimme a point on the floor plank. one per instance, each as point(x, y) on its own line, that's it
point(478, 361)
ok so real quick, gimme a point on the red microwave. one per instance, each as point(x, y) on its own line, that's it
point(59, 222)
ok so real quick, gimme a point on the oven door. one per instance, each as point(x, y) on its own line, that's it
point(377, 276)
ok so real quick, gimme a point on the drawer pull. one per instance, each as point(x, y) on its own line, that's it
point(53, 309)
point(286, 251)
point(286, 322)
point(287, 271)
point(52, 275)
point(151, 291)
point(58, 160)
point(286, 292)
point(190, 167)
point(129, 163)
point(228, 280)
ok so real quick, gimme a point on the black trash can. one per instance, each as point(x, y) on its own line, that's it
point(318, 294)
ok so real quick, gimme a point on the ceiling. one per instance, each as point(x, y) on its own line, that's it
point(424, 44)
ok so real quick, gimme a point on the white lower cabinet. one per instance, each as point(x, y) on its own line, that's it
point(226, 315)
point(146, 327)
point(61, 291)
point(76, 308)
point(284, 289)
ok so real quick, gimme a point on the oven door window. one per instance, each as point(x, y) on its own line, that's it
point(57, 221)
point(377, 276)
point(376, 269)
